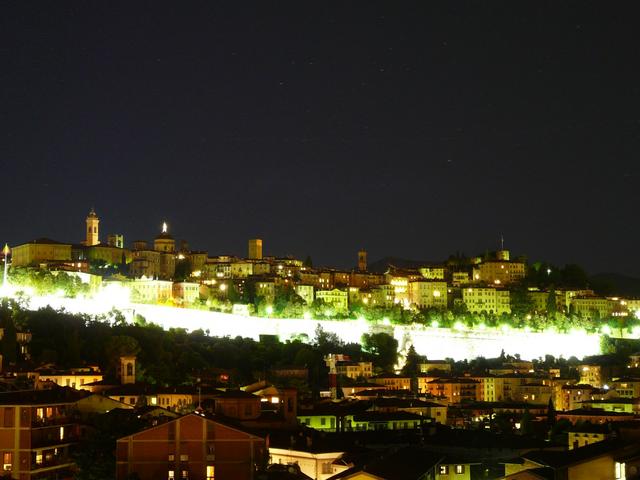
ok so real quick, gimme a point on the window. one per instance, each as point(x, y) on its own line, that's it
point(172, 457)
point(7, 460)
point(38, 458)
point(9, 413)
point(184, 458)
point(443, 470)
point(323, 421)
point(184, 474)
point(211, 471)
point(61, 433)
point(459, 469)
point(621, 473)
point(171, 475)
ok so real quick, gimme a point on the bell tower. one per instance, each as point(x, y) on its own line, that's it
point(93, 221)
point(362, 260)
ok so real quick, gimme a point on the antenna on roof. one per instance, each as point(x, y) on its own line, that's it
point(501, 242)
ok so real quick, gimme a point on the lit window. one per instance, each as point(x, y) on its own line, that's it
point(444, 470)
point(61, 433)
point(459, 468)
point(171, 475)
point(38, 458)
point(621, 473)
point(184, 458)
point(7, 460)
point(211, 472)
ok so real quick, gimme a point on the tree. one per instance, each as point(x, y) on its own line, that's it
point(521, 302)
point(10, 335)
point(327, 342)
point(383, 346)
point(412, 362)
point(183, 270)
point(308, 262)
point(551, 413)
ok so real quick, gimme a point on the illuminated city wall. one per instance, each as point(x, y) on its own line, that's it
point(435, 343)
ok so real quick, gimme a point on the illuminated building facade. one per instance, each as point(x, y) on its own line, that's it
point(590, 307)
point(455, 390)
point(255, 249)
point(501, 272)
point(336, 298)
point(432, 273)
point(486, 300)
point(306, 292)
point(41, 250)
point(428, 294)
point(355, 370)
point(93, 232)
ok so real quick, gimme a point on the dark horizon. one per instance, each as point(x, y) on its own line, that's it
point(412, 130)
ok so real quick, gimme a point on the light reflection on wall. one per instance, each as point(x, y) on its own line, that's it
point(431, 341)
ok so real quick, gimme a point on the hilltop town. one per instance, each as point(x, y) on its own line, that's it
point(110, 397)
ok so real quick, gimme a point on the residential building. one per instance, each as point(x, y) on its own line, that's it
point(146, 290)
point(437, 365)
point(455, 389)
point(186, 292)
point(193, 447)
point(433, 272)
point(354, 370)
point(74, 378)
point(428, 294)
point(586, 434)
point(592, 306)
point(486, 300)
point(313, 462)
point(391, 381)
point(501, 272)
point(305, 292)
point(37, 431)
point(627, 387)
point(336, 298)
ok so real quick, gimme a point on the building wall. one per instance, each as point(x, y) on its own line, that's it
point(425, 294)
point(315, 465)
point(338, 299)
point(34, 253)
point(488, 300)
point(190, 443)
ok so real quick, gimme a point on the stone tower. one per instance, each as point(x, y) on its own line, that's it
point(255, 249)
point(93, 236)
point(127, 369)
point(362, 261)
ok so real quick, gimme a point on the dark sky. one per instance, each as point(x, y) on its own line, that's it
point(411, 129)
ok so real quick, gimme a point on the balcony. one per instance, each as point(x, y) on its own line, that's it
point(50, 437)
point(52, 421)
point(62, 461)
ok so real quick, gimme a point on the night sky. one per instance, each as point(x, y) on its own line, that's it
point(409, 129)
